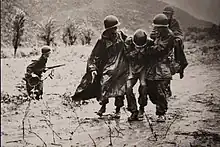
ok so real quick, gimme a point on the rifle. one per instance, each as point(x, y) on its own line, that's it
point(51, 67)
point(55, 66)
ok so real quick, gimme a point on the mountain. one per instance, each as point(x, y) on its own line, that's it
point(132, 14)
point(202, 9)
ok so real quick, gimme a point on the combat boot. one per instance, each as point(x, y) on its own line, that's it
point(141, 112)
point(117, 113)
point(101, 110)
point(161, 118)
point(134, 116)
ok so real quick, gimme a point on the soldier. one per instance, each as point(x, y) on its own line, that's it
point(136, 47)
point(103, 65)
point(173, 24)
point(178, 41)
point(35, 70)
point(180, 63)
point(159, 73)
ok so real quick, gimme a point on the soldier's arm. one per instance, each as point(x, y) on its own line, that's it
point(31, 67)
point(123, 35)
point(95, 57)
point(161, 47)
point(30, 70)
point(153, 34)
point(129, 50)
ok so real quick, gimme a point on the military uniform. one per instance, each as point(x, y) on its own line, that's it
point(107, 60)
point(178, 58)
point(104, 59)
point(159, 72)
point(37, 68)
point(137, 68)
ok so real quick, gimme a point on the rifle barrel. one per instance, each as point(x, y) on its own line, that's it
point(50, 67)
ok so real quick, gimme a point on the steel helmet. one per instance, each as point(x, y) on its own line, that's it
point(45, 49)
point(168, 10)
point(160, 20)
point(111, 21)
point(140, 38)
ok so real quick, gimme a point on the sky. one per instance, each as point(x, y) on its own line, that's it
point(203, 9)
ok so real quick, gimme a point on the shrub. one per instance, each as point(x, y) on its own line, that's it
point(47, 31)
point(18, 30)
point(69, 35)
point(86, 34)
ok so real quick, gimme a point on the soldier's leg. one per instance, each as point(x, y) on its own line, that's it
point(142, 100)
point(102, 101)
point(151, 91)
point(119, 102)
point(161, 106)
point(39, 88)
point(168, 89)
point(131, 100)
point(103, 107)
point(29, 88)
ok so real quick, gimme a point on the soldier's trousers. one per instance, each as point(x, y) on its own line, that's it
point(38, 87)
point(131, 100)
point(158, 94)
point(119, 101)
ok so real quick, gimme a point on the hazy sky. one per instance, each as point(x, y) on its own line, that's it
point(202, 9)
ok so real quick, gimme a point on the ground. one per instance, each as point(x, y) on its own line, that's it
point(192, 119)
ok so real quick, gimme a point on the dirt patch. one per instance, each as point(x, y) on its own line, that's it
point(192, 118)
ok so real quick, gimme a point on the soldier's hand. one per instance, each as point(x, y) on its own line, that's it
point(94, 73)
point(45, 69)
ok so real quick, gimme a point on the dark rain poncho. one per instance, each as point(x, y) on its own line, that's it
point(108, 59)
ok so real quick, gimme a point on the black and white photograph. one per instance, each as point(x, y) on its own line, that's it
point(110, 73)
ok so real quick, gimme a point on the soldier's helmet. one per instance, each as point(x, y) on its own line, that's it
point(111, 21)
point(45, 49)
point(168, 10)
point(140, 38)
point(160, 20)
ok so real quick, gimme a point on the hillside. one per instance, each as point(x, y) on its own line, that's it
point(207, 10)
point(132, 14)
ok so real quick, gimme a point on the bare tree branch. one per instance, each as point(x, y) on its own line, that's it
point(110, 133)
point(38, 137)
point(30, 131)
point(151, 127)
point(25, 115)
point(175, 117)
point(84, 129)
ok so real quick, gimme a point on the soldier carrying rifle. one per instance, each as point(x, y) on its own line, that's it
point(33, 75)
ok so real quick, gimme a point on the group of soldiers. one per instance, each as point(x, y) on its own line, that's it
point(118, 61)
